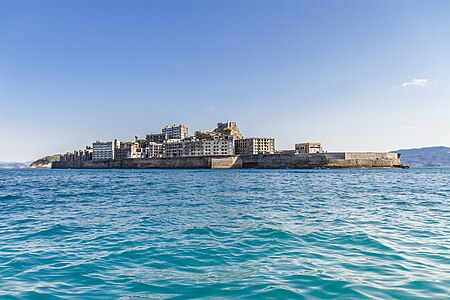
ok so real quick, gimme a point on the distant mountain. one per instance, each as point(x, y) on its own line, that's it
point(13, 165)
point(425, 157)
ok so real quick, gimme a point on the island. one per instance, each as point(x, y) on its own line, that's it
point(222, 148)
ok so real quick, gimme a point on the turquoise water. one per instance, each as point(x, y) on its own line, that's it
point(301, 234)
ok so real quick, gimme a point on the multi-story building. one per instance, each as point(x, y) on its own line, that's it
point(254, 146)
point(218, 145)
point(103, 150)
point(173, 148)
point(309, 148)
point(139, 150)
point(77, 155)
point(122, 150)
point(229, 128)
point(157, 137)
point(155, 150)
point(67, 157)
point(175, 131)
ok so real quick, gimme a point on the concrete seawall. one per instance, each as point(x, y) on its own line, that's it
point(263, 161)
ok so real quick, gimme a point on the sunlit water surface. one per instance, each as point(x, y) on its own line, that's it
point(314, 234)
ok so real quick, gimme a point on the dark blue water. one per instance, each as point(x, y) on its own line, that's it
point(134, 234)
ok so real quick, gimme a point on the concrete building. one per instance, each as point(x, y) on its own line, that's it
point(309, 148)
point(138, 150)
point(67, 157)
point(157, 137)
point(176, 131)
point(173, 148)
point(103, 150)
point(218, 145)
point(122, 150)
point(254, 146)
point(78, 155)
point(154, 150)
point(229, 128)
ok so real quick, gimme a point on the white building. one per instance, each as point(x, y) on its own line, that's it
point(103, 150)
point(255, 146)
point(155, 149)
point(308, 148)
point(176, 131)
point(216, 146)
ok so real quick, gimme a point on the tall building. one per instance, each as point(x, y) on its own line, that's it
point(176, 131)
point(254, 146)
point(155, 150)
point(103, 150)
point(122, 150)
point(309, 148)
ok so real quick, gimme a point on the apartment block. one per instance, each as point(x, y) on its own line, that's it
point(156, 137)
point(173, 148)
point(103, 150)
point(254, 146)
point(155, 150)
point(176, 131)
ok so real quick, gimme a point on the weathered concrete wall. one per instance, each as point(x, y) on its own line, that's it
point(322, 160)
point(232, 162)
point(138, 163)
point(267, 161)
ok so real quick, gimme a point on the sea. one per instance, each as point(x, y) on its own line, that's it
point(225, 234)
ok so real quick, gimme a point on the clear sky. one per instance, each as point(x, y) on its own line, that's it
point(354, 75)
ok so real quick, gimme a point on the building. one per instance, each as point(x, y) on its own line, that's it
point(309, 148)
point(218, 145)
point(229, 128)
point(77, 155)
point(215, 146)
point(175, 131)
point(254, 146)
point(103, 150)
point(67, 157)
point(172, 148)
point(157, 137)
point(122, 150)
point(154, 150)
point(138, 150)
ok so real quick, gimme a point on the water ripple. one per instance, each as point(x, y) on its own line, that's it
point(288, 234)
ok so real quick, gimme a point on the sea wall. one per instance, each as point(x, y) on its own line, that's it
point(323, 160)
point(264, 161)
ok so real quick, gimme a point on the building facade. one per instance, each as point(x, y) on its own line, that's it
point(154, 150)
point(122, 150)
point(138, 150)
point(77, 155)
point(103, 150)
point(173, 148)
point(254, 146)
point(176, 131)
point(217, 146)
point(156, 137)
point(309, 148)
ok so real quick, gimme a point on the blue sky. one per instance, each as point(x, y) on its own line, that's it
point(355, 75)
